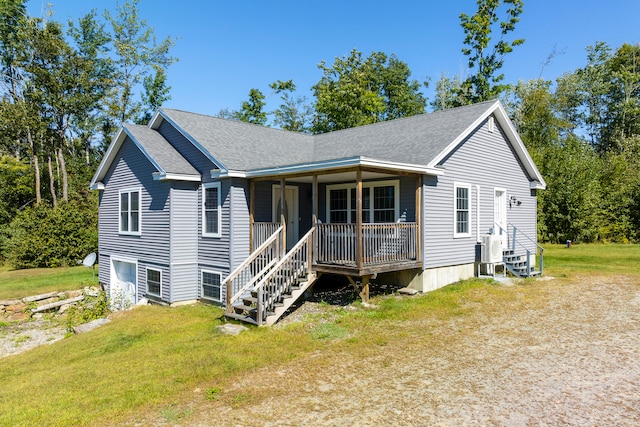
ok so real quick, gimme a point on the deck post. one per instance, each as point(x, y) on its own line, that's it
point(252, 205)
point(314, 219)
point(359, 255)
point(419, 217)
point(365, 289)
point(283, 220)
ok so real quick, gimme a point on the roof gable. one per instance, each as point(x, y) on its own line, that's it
point(417, 143)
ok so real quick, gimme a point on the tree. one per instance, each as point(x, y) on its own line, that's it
point(136, 56)
point(484, 60)
point(252, 110)
point(449, 93)
point(156, 92)
point(294, 114)
point(356, 91)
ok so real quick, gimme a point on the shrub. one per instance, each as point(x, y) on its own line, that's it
point(42, 236)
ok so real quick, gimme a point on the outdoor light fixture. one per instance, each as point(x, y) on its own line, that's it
point(513, 200)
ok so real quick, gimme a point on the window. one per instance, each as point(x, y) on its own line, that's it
point(154, 282)
point(130, 212)
point(211, 285)
point(461, 226)
point(211, 209)
point(379, 202)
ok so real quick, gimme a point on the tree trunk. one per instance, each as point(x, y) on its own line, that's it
point(52, 187)
point(36, 167)
point(65, 176)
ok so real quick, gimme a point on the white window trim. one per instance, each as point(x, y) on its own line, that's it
point(129, 191)
point(457, 185)
point(147, 278)
point(202, 284)
point(369, 184)
point(204, 220)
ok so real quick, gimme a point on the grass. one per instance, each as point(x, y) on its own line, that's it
point(561, 261)
point(162, 363)
point(21, 283)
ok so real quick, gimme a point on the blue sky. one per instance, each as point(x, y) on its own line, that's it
point(226, 47)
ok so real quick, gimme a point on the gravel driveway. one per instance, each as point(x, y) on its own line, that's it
point(560, 352)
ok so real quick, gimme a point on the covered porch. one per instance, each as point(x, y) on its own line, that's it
point(364, 220)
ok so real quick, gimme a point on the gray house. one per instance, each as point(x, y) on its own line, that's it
point(194, 207)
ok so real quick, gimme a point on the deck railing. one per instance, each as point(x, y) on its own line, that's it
point(381, 243)
point(262, 231)
point(284, 275)
point(254, 268)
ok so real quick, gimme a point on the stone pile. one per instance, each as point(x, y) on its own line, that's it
point(22, 309)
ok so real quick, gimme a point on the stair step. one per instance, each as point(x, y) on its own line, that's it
point(240, 308)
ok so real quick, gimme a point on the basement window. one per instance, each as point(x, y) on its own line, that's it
point(211, 285)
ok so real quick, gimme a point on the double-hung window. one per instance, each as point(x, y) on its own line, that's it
point(462, 210)
point(211, 212)
point(130, 212)
point(211, 285)
point(379, 202)
point(154, 282)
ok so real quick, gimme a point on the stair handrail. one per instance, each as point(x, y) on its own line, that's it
point(263, 296)
point(515, 241)
point(274, 240)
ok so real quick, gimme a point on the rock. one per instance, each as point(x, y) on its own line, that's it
point(40, 297)
point(73, 294)
point(10, 302)
point(142, 301)
point(407, 291)
point(16, 308)
point(231, 329)
point(19, 316)
point(89, 326)
point(91, 291)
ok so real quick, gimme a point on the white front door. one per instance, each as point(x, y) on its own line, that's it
point(500, 215)
point(124, 279)
point(290, 212)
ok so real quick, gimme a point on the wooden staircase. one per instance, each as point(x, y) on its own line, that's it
point(263, 287)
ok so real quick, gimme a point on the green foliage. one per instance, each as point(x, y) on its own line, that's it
point(252, 110)
point(485, 61)
point(42, 236)
point(356, 91)
point(17, 284)
point(90, 308)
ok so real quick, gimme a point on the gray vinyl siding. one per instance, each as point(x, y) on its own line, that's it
point(487, 160)
point(184, 242)
point(239, 216)
point(263, 211)
point(131, 169)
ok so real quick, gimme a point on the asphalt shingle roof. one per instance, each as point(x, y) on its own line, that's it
point(414, 140)
point(161, 151)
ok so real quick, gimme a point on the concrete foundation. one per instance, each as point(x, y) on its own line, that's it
point(430, 279)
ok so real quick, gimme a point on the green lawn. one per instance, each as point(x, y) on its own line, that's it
point(22, 283)
point(159, 362)
point(591, 259)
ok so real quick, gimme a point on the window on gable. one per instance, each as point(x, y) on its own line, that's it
point(462, 210)
point(130, 212)
point(211, 285)
point(211, 212)
point(154, 282)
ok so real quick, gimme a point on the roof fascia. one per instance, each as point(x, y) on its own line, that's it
point(513, 137)
point(157, 176)
point(332, 164)
point(162, 115)
point(111, 153)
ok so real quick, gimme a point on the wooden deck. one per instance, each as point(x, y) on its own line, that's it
point(385, 247)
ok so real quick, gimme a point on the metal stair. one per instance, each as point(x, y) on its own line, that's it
point(518, 265)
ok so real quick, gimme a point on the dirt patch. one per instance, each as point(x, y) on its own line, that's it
point(557, 352)
point(17, 337)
